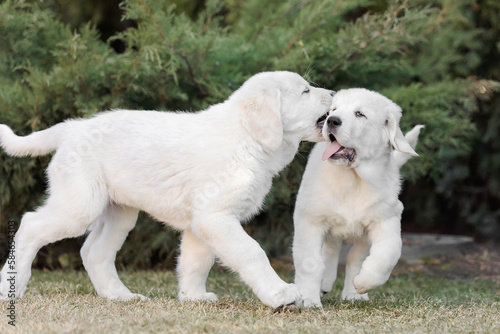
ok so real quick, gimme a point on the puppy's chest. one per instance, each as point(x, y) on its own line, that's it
point(347, 216)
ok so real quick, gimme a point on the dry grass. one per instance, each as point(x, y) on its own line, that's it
point(65, 302)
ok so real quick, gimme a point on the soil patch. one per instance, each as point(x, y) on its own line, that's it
point(480, 262)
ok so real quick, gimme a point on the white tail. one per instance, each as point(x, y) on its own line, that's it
point(412, 138)
point(36, 143)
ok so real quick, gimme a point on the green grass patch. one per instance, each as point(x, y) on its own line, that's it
point(65, 301)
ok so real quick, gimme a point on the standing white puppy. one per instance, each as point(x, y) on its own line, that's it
point(203, 173)
point(352, 196)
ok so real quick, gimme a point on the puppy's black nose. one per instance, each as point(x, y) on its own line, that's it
point(332, 92)
point(334, 121)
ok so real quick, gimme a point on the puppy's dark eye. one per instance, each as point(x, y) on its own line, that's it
point(306, 90)
point(359, 114)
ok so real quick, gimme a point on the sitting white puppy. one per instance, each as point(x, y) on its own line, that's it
point(352, 196)
point(203, 173)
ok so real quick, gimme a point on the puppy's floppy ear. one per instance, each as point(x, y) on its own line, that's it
point(261, 118)
point(396, 137)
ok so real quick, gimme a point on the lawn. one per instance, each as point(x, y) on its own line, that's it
point(65, 302)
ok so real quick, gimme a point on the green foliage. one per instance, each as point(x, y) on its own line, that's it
point(179, 56)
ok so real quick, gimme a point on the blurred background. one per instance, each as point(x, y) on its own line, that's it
point(439, 60)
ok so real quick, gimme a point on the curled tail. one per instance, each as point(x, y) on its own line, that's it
point(36, 143)
point(412, 138)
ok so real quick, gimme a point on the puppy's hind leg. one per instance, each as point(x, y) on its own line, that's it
point(355, 258)
point(46, 225)
point(195, 262)
point(76, 199)
point(331, 253)
point(99, 251)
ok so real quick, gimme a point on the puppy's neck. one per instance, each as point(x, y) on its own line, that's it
point(379, 172)
point(283, 155)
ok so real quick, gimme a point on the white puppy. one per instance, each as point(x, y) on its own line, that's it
point(352, 196)
point(202, 173)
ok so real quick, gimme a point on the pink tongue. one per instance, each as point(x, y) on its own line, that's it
point(333, 148)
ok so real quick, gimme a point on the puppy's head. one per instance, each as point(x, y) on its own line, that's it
point(362, 125)
point(274, 105)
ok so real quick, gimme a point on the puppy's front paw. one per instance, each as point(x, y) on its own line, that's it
point(352, 296)
point(285, 296)
point(365, 281)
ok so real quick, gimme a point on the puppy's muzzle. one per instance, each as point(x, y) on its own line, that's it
point(333, 122)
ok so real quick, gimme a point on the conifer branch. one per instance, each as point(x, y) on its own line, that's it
point(200, 89)
point(303, 32)
point(280, 17)
point(440, 17)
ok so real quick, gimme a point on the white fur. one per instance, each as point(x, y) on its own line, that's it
point(202, 173)
point(356, 201)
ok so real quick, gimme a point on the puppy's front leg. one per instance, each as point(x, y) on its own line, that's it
point(308, 260)
point(225, 236)
point(385, 252)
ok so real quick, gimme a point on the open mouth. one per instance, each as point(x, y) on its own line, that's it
point(335, 151)
point(321, 121)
